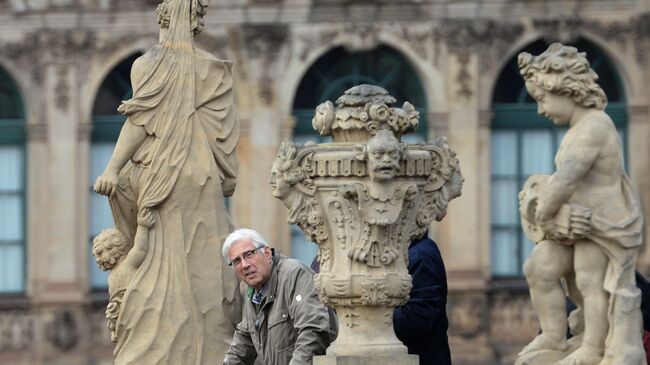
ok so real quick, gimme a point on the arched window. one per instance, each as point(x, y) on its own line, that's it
point(107, 123)
point(329, 77)
point(12, 187)
point(524, 143)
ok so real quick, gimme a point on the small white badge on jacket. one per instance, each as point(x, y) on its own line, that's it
point(298, 298)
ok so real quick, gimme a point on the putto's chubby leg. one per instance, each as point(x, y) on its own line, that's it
point(548, 262)
point(590, 266)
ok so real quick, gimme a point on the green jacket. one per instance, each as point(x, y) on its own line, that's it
point(292, 325)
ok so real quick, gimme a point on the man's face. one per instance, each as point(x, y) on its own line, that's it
point(383, 159)
point(257, 269)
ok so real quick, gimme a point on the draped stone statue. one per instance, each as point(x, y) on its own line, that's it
point(586, 221)
point(172, 302)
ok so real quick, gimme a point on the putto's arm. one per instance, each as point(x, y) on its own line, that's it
point(576, 160)
point(140, 246)
point(137, 254)
point(131, 137)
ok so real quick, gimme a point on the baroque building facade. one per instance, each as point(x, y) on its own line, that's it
point(64, 67)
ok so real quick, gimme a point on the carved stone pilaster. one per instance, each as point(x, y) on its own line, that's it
point(63, 44)
point(418, 39)
point(463, 78)
point(24, 53)
point(489, 38)
point(106, 46)
point(630, 34)
point(485, 118)
point(287, 124)
point(638, 113)
point(438, 123)
point(83, 131)
point(361, 37)
point(264, 42)
point(244, 126)
point(634, 35)
point(45, 45)
point(563, 30)
point(62, 89)
point(218, 45)
point(36, 132)
point(306, 39)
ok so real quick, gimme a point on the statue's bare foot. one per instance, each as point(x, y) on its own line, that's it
point(545, 342)
point(584, 355)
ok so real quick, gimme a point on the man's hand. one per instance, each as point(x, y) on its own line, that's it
point(106, 183)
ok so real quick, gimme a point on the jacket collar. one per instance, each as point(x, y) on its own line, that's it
point(273, 280)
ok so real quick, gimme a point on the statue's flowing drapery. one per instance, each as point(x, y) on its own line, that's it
point(175, 310)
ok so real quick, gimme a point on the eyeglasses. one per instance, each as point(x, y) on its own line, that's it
point(246, 256)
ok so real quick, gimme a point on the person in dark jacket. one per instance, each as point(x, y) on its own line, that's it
point(643, 284)
point(421, 324)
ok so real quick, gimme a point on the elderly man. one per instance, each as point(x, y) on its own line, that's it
point(283, 321)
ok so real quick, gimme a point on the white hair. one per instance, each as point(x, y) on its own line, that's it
point(242, 234)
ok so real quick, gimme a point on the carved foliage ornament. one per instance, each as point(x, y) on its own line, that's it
point(361, 112)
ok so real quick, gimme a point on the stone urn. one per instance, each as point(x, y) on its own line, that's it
point(362, 199)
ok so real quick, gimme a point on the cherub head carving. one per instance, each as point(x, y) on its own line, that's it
point(559, 78)
point(108, 247)
point(283, 176)
point(384, 153)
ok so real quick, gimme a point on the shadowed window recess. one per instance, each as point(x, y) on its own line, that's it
point(13, 259)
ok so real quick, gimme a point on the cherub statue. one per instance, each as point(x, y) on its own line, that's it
point(115, 253)
point(597, 259)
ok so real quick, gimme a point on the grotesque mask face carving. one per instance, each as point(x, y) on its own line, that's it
point(383, 156)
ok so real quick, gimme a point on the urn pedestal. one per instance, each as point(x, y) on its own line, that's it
point(363, 198)
point(367, 360)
